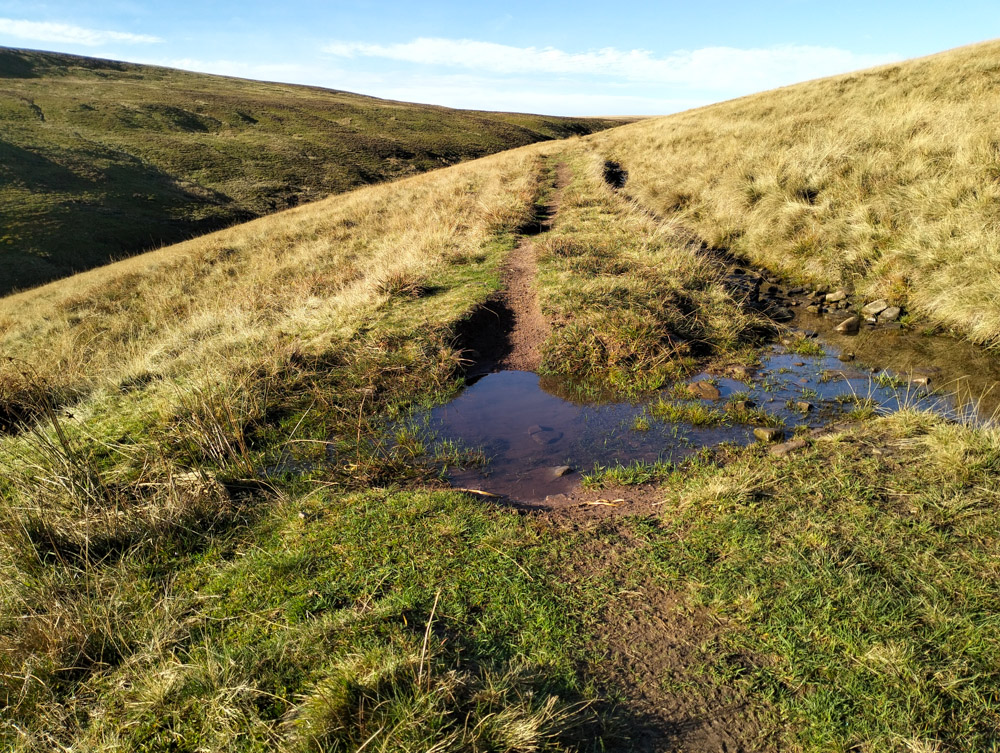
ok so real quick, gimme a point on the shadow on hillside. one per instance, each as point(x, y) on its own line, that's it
point(122, 208)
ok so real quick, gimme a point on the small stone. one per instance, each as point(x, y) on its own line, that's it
point(544, 435)
point(836, 296)
point(769, 434)
point(846, 357)
point(849, 326)
point(561, 470)
point(740, 373)
point(922, 381)
point(890, 314)
point(875, 307)
point(804, 406)
point(704, 390)
point(798, 363)
point(869, 319)
point(788, 447)
point(814, 308)
point(781, 314)
point(744, 405)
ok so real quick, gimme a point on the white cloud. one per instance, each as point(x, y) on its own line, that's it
point(709, 68)
point(44, 31)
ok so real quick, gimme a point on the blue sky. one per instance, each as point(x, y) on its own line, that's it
point(580, 58)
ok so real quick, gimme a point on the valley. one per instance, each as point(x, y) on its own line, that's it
point(560, 448)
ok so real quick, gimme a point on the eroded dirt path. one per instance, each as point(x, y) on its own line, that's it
point(655, 655)
point(529, 326)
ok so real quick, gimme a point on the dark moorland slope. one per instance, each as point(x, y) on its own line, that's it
point(102, 159)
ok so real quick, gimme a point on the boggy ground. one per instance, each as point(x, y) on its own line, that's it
point(209, 543)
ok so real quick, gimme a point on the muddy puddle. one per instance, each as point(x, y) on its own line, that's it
point(538, 444)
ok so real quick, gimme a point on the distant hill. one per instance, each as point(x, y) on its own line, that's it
point(102, 159)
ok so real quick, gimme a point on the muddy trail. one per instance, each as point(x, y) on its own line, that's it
point(827, 363)
point(528, 327)
point(833, 356)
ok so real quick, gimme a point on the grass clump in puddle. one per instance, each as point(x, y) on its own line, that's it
point(690, 412)
point(700, 415)
point(805, 346)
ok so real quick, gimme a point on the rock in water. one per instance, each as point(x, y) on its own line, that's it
point(849, 326)
point(704, 390)
point(561, 470)
point(836, 296)
point(544, 434)
point(889, 314)
point(875, 307)
point(769, 434)
point(782, 314)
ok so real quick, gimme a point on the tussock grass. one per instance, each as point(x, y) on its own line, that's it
point(882, 180)
point(168, 385)
point(631, 306)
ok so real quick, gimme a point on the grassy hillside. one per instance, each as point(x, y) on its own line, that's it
point(220, 530)
point(884, 180)
point(170, 380)
point(101, 159)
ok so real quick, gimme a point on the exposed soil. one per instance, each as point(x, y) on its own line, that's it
point(507, 332)
point(529, 327)
point(656, 664)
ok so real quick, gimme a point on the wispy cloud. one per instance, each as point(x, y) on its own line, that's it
point(45, 31)
point(710, 68)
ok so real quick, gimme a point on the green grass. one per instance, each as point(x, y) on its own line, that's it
point(688, 412)
point(102, 159)
point(867, 594)
point(307, 631)
point(804, 346)
point(636, 472)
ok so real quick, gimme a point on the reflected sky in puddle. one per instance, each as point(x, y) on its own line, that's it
point(527, 432)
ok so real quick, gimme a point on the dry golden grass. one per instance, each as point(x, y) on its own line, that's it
point(305, 279)
point(886, 180)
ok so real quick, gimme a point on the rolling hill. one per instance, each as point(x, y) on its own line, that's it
point(225, 526)
point(102, 159)
point(885, 181)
